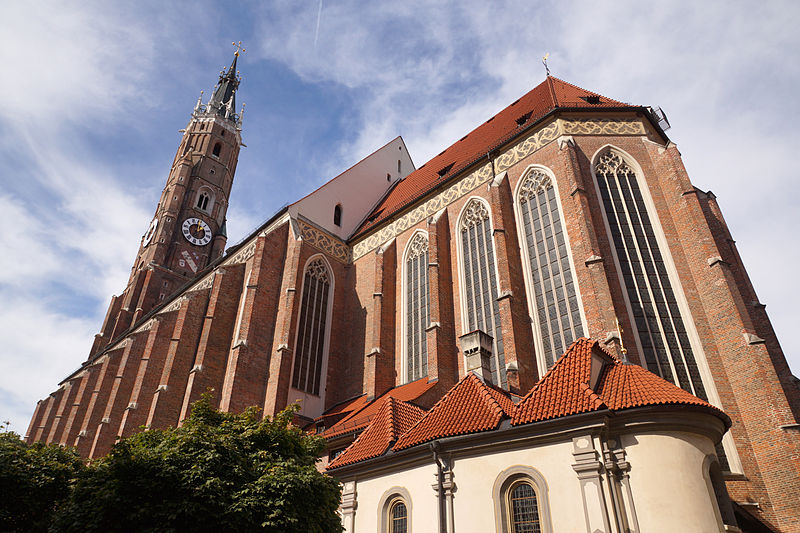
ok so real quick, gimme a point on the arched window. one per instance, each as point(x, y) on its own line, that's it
point(551, 287)
point(657, 319)
point(479, 280)
point(416, 306)
point(521, 501)
point(312, 326)
point(337, 215)
point(398, 517)
point(202, 201)
point(523, 508)
point(217, 149)
point(394, 511)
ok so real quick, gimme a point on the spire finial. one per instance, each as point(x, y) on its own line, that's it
point(544, 62)
point(239, 48)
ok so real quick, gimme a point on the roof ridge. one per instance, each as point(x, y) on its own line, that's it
point(484, 392)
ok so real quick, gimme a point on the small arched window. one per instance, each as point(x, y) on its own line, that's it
point(523, 508)
point(217, 149)
point(521, 501)
point(398, 517)
point(337, 215)
point(202, 201)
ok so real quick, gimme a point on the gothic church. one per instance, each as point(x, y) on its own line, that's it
point(546, 327)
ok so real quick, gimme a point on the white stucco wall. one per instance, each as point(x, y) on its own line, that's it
point(670, 491)
point(668, 484)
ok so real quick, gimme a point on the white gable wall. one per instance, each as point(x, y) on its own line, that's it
point(358, 189)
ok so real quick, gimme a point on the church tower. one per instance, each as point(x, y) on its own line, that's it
point(187, 232)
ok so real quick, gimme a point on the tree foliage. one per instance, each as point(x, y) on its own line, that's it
point(217, 472)
point(34, 482)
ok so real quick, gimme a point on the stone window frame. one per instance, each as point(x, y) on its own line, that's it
point(405, 322)
point(501, 491)
point(498, 356)
point(209, 193)
point(326, 333)
point(388, 500)
point(706, 377)
point(581, 329)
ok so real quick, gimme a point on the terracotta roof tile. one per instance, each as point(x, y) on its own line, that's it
point(565, 389)
point(470, 406)
point(393, 418)
point(550, 94)
point(360, 417)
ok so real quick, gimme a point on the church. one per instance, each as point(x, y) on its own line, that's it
point(546, 327)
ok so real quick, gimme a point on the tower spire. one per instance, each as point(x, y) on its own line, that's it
point(223, 100)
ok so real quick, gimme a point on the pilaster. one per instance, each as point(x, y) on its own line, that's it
point(589, 469)
point(168, 396)
point(208, 371)
point(441, 334)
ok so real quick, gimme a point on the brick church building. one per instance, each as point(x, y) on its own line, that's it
point(434, 325)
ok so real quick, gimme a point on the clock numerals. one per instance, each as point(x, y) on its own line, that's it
point(150, 232)
point(196, 231)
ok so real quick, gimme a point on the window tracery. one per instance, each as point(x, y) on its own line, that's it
point(479, 276)
point(417, 305)
point(552, 288)
point(312, 326)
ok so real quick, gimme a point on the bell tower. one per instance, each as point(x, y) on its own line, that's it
point(187, 231)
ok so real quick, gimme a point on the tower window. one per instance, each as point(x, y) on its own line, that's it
point(337, 215)
point(399, 166)
point(217, 149)
point(202, 201)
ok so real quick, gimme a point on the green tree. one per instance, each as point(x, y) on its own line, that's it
point(34, 481)
point(217, 472)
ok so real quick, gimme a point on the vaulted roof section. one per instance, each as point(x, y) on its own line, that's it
point(393, 418)
point(549, 95)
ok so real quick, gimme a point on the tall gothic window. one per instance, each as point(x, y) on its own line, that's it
point(311, 327)
point(480, 281)
point(657, 318)
point(553, 293)
point(417, 301)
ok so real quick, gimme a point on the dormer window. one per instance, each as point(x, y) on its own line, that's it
point(337, 215)
point(217, 149)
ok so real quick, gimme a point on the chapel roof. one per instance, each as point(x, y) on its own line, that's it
point(572, 386)
point(549, 95)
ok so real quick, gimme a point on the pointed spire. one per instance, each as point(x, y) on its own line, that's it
point(223, 100)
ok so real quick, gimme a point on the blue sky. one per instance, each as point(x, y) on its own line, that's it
point(94, 94)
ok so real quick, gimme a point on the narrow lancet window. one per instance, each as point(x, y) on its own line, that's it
point(552, 288)
point(217, 149)
point(656, 316)
point(480, 305)
point(417, 302)
point(202, 201)
point(337, 215)
point(312, 326)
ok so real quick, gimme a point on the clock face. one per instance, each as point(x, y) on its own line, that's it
point(196, 231)
point(150, 232)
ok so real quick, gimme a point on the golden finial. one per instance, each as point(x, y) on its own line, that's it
point(621, 344)
point(544, 62)
point(239, 48)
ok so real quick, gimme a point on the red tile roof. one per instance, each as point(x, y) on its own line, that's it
point(470, 406)
point(393, 418)
point(565, 389)
point(551, 94)
point(362, 415)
